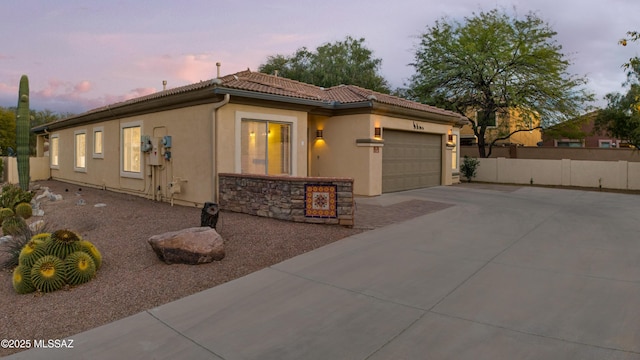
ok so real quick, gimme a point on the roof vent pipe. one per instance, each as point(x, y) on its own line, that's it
point(218, 72)
point(164, 85)
point(275, 73)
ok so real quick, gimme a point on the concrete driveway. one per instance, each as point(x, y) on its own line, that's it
point(503, 273)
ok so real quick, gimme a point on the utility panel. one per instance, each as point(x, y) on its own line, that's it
point(155, 158)
point(166, 141)
point(145, 143)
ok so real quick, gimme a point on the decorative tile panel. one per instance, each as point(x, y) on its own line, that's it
point(320, 201)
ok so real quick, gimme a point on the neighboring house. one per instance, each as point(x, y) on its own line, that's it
point(580, 132)
point(174, 143)
point(504, 123)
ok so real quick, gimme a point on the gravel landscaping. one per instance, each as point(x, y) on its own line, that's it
point(132, 279)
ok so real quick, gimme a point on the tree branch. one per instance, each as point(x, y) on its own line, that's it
point(508, 136)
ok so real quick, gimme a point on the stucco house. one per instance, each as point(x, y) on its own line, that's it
point(580, 132)
point(172, 145)
point(504, 123)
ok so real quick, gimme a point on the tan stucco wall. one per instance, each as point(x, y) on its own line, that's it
point(337, 154)
point(228, 134)
point(38, 169)
point(191, 129)
point(608, 174)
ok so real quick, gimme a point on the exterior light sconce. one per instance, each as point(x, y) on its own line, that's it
point(450, 142)
point(319, 134)
point(377, 132)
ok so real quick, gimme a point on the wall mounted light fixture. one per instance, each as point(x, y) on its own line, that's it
point(377, 132)
point(319, 134)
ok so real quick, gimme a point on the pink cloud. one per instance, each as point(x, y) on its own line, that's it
point(83, 86)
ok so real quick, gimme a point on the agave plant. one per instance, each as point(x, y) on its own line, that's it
point(48, 274)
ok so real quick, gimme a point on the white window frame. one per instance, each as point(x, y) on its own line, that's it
point(455, 156)
point(75, 151)
point(96, 154)
point(54, 159)
point(130, 174)
point(290, 120)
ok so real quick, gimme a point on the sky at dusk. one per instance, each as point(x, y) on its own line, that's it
point(84, 54)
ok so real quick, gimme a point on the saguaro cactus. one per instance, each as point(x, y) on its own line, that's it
point(23, 117)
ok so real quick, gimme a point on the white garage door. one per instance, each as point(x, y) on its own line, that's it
point(410, 160)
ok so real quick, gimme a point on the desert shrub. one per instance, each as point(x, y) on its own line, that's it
point(469, 167)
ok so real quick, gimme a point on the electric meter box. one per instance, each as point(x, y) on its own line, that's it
point(166, 141)
point(155, 157)
point(145, 143)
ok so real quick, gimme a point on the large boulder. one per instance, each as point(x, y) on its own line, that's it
point(196, 245)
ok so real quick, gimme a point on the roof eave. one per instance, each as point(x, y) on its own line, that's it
point(114, 111)
point(446, 118)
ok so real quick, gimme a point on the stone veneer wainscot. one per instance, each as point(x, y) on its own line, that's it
point(282, 197)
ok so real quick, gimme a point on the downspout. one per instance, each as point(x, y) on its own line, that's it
point(214, 146)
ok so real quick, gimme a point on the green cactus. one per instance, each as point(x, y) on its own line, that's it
point(63, 243)
point(48, 274)
point(31, 252)
point(79, 267)
point(90, 249)
point(24, 210)
point(5, 213)
point(13, 225)
point(22, 280)
point(23, 118)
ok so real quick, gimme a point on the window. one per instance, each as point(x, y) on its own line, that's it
point(130, 165)
point(80, 150)
point(266, 147)
point(54, 151)
point(98, 147)
point(491, 121)
point(604, 143)
point(568, 143)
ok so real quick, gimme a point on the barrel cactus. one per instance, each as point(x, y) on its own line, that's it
point(24, 210)
point(32, 251)
point(42, 236)
point(13, 225)
point(23, 123)
point(5, 213)
point(63, 243)
point(48, 274)
point(90, 249)
point(79, 268)
point(22, 280)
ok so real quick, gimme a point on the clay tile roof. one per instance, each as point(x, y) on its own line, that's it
point(268, 84)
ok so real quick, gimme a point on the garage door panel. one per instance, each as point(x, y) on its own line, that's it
point(410, 160)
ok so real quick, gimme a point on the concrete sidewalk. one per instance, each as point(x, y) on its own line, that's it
point(499, 273)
